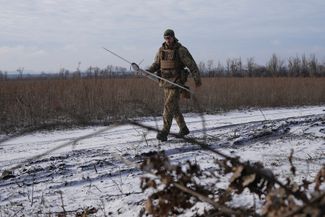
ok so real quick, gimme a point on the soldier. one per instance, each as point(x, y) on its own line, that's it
point(171, 62)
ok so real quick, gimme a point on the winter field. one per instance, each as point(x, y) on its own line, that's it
point(82, 168)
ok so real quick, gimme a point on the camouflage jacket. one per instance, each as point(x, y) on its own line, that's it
point(183, 60)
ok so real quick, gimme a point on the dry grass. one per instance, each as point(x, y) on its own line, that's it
point(35, 102)
point(230, 93)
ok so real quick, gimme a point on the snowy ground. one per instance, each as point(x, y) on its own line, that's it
point(87, 174)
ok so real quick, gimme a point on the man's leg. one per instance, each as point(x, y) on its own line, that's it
point(183, 130)
point(171, 109)
point(179, 117)
point(170, 98)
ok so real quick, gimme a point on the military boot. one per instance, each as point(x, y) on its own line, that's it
point(162, 136)
point(183, 132)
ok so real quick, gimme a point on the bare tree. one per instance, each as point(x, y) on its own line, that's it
point(275, 65)
point(220, 70)
point(294, 66)
point(235, 67)
point(304, 66)
point(250, 66)
point(202, 67)
point(210, 67)
point(313, 66)
point(228, 66)
point(20, 72)
point(77, 73)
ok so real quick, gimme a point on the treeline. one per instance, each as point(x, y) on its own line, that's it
point(109, 71)
point(298, 66)
point(276, 67)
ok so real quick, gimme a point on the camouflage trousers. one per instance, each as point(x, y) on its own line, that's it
point(171, 109)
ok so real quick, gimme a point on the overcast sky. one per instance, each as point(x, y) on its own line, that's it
point(46, 35)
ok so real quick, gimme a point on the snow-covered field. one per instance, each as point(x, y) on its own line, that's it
point(87, 173)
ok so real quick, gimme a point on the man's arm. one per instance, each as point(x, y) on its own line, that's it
point(189, 62)
point(155, 66)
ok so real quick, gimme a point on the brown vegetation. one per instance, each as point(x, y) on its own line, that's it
point(175, 188)
point(231, 93)
point(35, 102)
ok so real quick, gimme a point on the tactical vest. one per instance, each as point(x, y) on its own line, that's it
point(170, 64)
